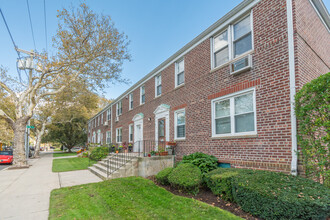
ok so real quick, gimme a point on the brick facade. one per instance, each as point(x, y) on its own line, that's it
point(271, 147)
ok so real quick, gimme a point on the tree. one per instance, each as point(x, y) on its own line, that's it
point(90, 50)
point(313, 115)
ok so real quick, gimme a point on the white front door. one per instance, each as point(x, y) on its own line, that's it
point(138, 138)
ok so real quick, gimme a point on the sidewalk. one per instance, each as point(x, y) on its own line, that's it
point(24, 194)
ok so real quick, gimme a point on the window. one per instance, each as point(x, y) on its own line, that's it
point(102, 119)
point(108, 114)
point(180, 124)
point(99, 136)
point(108, 134)
point(233, 42)
point(119, 135)
point(98, 120)
point(131, 101)
point(94, 137)
point(158, 85)
point(131, 133)
point(142, 95)
point(179, 73)
point(234, 115)
point(119, 108)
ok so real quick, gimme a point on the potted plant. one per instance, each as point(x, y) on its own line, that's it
point(120, 148)
point(171, 143)
point(113, 148)
point(152, 153)
point(169, 149)
point(130, 147)
point(162, 152)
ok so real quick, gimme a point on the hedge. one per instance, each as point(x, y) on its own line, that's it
point(271, 195)
point(162, 176)
point(98, 153)
point(203, 161)
point(186, 177)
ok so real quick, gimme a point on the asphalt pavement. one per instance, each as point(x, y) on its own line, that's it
point(3, 166)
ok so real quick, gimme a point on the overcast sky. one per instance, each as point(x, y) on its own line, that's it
point(156, 28)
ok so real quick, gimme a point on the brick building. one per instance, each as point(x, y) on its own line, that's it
point(229, 92)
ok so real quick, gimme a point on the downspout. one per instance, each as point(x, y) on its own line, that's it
point(294, 150)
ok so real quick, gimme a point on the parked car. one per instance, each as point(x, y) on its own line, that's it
point(6, 157)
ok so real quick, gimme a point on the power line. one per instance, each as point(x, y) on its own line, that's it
point(12, 40)
point(45, 26)
point(28, 7)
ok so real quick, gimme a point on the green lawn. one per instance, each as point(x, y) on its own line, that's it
point(69, 164)
point(65, 154)
point(128, 198)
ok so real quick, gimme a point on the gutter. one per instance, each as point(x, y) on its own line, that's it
point(294, 150)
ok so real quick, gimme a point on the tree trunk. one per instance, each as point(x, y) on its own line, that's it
point(19, 157)
point(38, 141)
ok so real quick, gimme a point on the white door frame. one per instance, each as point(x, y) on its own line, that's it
point(162, 111)
point(138, 121)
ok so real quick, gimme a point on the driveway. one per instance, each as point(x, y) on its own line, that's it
point(25, 193)
point(3, 166)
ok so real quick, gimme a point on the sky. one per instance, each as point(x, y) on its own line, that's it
point(156, 29)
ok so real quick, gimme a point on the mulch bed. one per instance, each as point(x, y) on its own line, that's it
point(205, 195)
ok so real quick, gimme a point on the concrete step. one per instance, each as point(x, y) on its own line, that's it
point(98, 173)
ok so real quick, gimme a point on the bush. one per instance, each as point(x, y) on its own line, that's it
point(162, 176)
point(98, 153)
point(312, 111)
point(203, 161)
point(271, 195)
point(186, 177)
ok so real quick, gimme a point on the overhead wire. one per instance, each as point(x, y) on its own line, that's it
point(28, 7)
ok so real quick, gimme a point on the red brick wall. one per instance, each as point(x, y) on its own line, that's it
point(271, 148)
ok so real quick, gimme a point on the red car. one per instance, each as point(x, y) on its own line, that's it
point(6, 157)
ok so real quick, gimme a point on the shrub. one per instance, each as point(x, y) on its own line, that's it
point(186, 177)
point(313, 115)
point(203, 161)
point(98, 153)
point(162, 176)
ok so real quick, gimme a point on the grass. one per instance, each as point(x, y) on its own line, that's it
point(128, 198)
point(69, 164)
point(57, 149)
point(65, 154)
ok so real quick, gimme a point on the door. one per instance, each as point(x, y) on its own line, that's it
point(161, 134)
point(138, 143)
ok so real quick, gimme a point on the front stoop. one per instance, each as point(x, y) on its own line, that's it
point(126, 169)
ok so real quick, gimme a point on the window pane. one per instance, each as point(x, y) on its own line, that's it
point(181, 66)
point(181, 131)
point(161, 128)
point(159, 90)
point(143, 98)
point(242, 28)
point(244, 123)
point(181, 119)
point(221, 57)
point(222, 108)
point(242, 45)
point(131, 104)
point(244, 103)
point(180, 78)
point(221, 41)
point(222, 125)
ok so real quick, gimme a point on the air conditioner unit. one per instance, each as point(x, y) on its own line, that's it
point(117, 118)
point(106, 123)
point(241, 65)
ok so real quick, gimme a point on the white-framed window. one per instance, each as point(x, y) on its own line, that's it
point(180, 124)
point(94, 137)
point(99, 136)
point(119, 135)
point(102, 119)
point(131, 101)
point(119, 108)
point(232, 42)
point(98, 120)
point(109, 114)
point(179, 73)
point(142, 95)
point(130, 128)
point(108, 136)
point(158, 85)
point(234, 114)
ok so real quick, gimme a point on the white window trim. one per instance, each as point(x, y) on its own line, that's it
point(102, 118)
point(117, 133)
point(176, 72)
point(130, 98)
point(117, 108)
point(176, 123)
point(130, 128)
point(230, 31)
point(108, 136)
point(109, 114)
point(159, 75)
point(232, 114)
point(142, 94)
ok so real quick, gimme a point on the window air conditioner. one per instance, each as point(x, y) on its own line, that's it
point(241, 65)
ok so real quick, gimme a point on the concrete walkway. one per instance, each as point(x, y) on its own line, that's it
point(24, 194)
